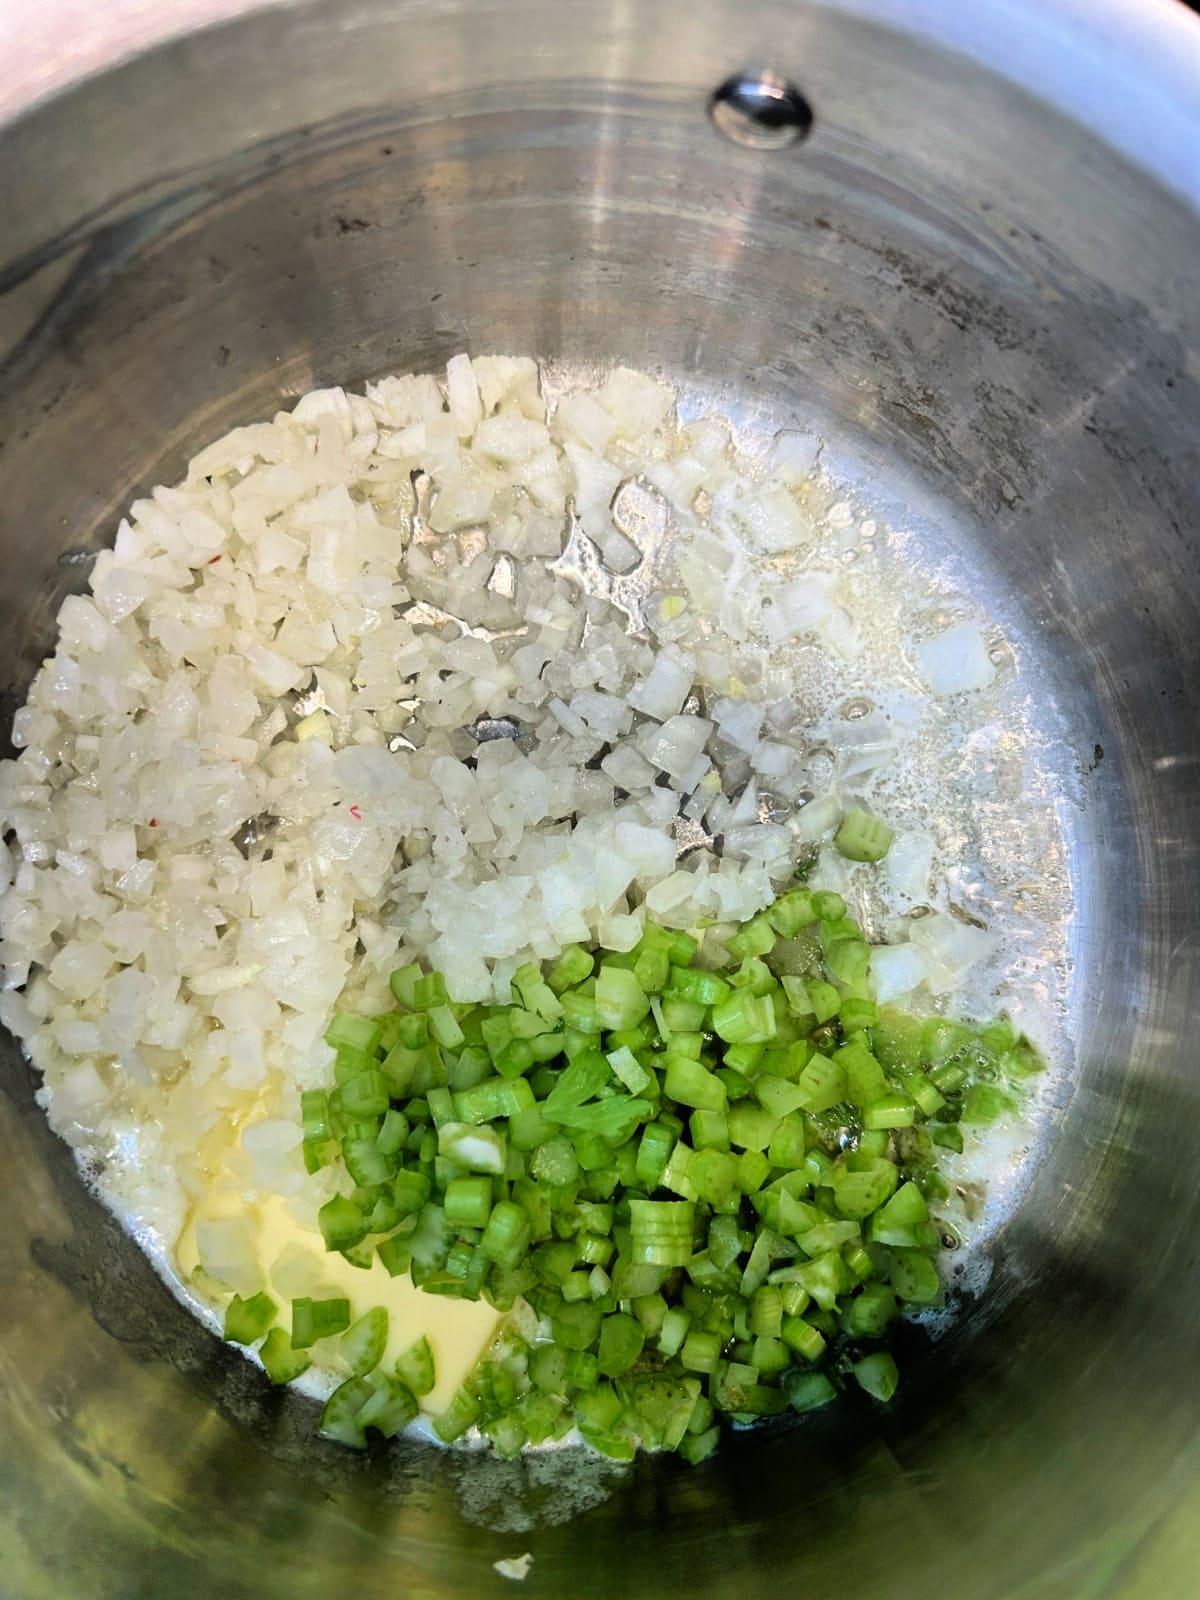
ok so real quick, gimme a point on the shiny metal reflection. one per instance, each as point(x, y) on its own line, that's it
point(762, 110)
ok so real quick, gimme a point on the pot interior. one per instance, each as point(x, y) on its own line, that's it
point(992, 317)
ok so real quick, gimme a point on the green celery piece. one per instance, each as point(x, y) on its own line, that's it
point(391, 1406)
point(792, 912)
point(893, 1110)
point(340, 1419)
point(806, 1391)
point(870, 1312)
point(477, 1148)
point(865, 1080)
point(753, 938)
point(468, 1202)
point(247, 1320)
point(751, 1127)
point(861, 1188)
point(613, 1119)
point(713, 1175)
point(629, 1070)
point(576, 1084)
point(693, 1085)
point(788, 1146)
point(572, 968)
point(808, 1342)
point(986, 1102)
point(620, 1000)
point(462, 1413)
point(746, 1018)
point(823, 998)
point(621, 1340)
point(753, 1167)
point(828, 905)
point(661, 1232)
point(359, 1033)
point(823, 1082)
point(709, 1130)
point(706, 988)
point(898, 1039)
point(341, 1222)
point(314, 1113)
point(905, 1208)
point(701, 1351)
point(949, 1137)
point(914, 1276)
point(778, 1095)
point(318, 1319)
point(849, 962)
point(281, 1362)
point(395, 1253)
point(361, 1347)
point(863, 837)
point(877, 1374)
point(507, 1235)
point(576, 1326)
point(697, 1447)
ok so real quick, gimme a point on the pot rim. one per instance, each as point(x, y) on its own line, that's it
point(1127, 69)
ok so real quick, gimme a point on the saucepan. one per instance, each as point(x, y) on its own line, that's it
point(963, 240)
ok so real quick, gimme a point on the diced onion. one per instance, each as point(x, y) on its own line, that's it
point(950, 948)
point(896, 970)
point(956, 661)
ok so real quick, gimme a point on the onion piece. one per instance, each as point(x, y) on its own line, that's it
point(896, 970)
point(909, 867)
point(950, 949)
point(956, 661)
point(821, 814)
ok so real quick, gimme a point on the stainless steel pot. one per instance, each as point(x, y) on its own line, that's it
point(982, 269)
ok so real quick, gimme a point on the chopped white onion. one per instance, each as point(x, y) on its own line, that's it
point(956, 661)
point(821, 814)
point(909, 866)
point(864, 746)
point(950, 948)
point(662, 693)
point(896, 970)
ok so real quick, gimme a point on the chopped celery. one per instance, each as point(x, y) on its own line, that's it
point(247, 1320)
point(390, 1407)
point(340, 1419)
point(341, 1222)
point(620, 999)
point(661, 1232)
point(318, 1319)
point(877, 1374)
point(693, 1085)
point(415, 1367)
point(360, 1033)
point(807, 1390)
point(282, 1362)
point(644, 1154)
point(621, 1340)
point(361, 1346)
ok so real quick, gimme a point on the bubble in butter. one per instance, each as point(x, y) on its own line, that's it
point(294, 1262)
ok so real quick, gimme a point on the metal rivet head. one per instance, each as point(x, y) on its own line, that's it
point(761, 109)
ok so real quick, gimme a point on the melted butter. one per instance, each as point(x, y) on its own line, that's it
point(294, 1262)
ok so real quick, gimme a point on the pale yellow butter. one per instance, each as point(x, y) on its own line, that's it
point(295, 1262)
